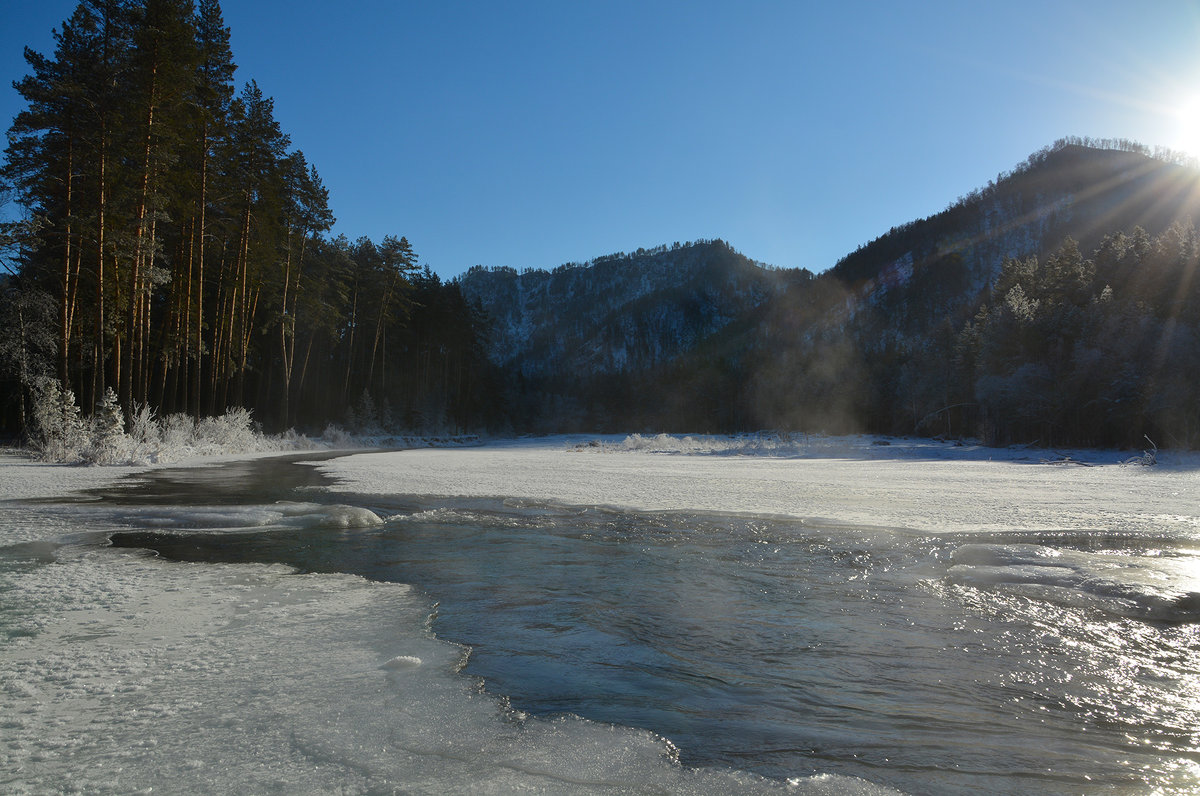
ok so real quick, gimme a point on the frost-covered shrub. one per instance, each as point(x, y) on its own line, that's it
point(143, 426)
point(666, 443)
point(60, 435)
point(178, 431)
point(232, 431)
point(109, 443)
point(58, 429)
point(294, 440)
point(337, 436)
point(762, 443)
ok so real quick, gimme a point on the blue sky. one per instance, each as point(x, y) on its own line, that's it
point(530, 134)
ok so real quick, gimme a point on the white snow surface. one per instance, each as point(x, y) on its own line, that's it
point(24, 477)
point(923, 485)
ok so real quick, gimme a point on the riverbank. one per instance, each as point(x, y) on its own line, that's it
point(914, 484)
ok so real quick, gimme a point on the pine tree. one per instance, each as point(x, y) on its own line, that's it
point(307, 208)
point(56, 422)
point(163, 68)
point(108, 430)
point(46, 157)
point(213, 94)
point(113, 45)
point(181, 243)
point(396, 264)
point(254, 155)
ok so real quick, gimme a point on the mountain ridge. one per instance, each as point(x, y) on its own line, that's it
point(1069, 189)
point(618, 312)
point(703, 338)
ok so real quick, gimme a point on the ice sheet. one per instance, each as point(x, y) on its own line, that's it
point(915, 484)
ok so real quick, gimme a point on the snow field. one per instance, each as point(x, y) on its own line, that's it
point(918, 485)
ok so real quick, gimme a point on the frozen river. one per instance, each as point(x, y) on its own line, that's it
point(370, 637)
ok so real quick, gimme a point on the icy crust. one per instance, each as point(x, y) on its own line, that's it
point(123, 674)
point(281, 515)
point(1159, 585)
point(921, 485)
point(22, 477)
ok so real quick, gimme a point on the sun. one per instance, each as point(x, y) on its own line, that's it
point(1186, 123)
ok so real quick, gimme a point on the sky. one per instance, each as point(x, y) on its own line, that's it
point(530, 134)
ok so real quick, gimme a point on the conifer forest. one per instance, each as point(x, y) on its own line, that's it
point(174, 246)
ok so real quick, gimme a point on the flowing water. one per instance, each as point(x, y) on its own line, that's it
point(948, 663)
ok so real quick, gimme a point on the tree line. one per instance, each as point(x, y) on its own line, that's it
point(174, 244)
point(1058, 349)
point(1100, 350)
point(176, 250)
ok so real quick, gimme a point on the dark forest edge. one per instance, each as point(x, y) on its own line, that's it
point(173, 248)
point(175, 254)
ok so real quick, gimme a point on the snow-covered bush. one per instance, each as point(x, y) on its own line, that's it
point(337, 436)
point(58, 430)
point(143, 426)
point(294, 440)
point(233, 431)
point(60, 435)
point(109, 443)
point(178, 431)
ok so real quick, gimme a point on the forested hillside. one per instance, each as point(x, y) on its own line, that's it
point(911, 336)
point(173, 248)
point(570, 340)
point(1058, 305)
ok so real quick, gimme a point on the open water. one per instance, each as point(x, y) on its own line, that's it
point(948, 663)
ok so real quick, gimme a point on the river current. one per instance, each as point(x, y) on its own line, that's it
point(929, 663)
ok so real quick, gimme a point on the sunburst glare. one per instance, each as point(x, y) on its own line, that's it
point(1185, 118)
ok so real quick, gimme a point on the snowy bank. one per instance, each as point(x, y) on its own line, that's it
point(922, 485)
point(143, 676)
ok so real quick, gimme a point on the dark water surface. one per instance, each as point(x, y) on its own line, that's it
point(1048, 663)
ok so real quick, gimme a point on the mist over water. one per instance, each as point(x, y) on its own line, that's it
point(930, 663)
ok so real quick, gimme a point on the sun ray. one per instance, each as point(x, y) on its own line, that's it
point(1185, 119)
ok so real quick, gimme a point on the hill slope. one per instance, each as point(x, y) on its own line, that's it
point(1067, 190)
point(918, 330)
point(624, 312)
